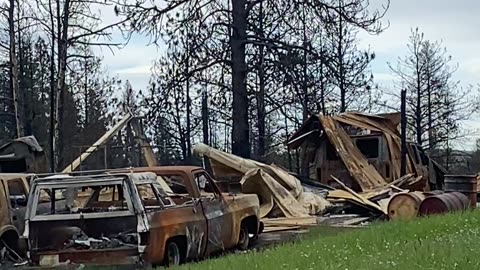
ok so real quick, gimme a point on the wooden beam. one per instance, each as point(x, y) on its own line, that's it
point(107, 136)
point(144, 145)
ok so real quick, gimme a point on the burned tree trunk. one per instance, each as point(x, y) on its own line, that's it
point(418, 111)
point(304, 71)
point(52, 94)
point(14, 86)
point(188, 156)
point(240, 132)
point(205, 117)
point(61, 86)
point(340, 55)
point(261, 94)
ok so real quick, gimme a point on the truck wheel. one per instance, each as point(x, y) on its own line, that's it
point(243, 238)
point(173, 254)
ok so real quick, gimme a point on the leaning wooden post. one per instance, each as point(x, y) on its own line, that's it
point(403, 164)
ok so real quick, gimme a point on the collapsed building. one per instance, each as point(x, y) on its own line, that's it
point(363, 151)
point(23, 155)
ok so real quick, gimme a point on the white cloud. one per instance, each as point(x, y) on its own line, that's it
point(455, 23)
point(133, 62)
point(138, 71)
point(471, 68)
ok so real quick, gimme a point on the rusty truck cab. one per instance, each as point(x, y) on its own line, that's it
point(14, 190)
point(95, 219)
point(215, 224)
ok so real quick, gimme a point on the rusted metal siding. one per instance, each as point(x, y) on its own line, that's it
point(223, 214)
point(177, 221)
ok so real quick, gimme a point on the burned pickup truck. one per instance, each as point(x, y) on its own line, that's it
point(130, 218)
point(13, 201)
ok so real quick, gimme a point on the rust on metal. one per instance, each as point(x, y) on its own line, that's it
point(466, 184)
point(404, 205)
point(443, 203)
point(14, 190)
point(102, 208)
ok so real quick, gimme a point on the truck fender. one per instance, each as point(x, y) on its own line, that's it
point(7, 228)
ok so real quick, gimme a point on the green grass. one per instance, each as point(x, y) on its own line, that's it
point(440, 242)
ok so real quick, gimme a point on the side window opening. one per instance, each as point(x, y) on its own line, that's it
point(109, 194)
point(88, 199)
point(204, 183)
point(177, 190)
point(150, 196)
point(176, 183)
point(369, 147)
point(109, 197)
point(17, 193)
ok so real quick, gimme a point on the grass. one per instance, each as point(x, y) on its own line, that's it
point(440, 242)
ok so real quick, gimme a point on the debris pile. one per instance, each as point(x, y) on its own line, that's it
point(289, 202)
point(83, 241)
point(280, 193)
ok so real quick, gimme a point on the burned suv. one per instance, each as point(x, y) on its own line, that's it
point(128, 218)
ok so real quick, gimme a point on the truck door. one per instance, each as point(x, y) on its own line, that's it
point(215, 212)
point(18, 197)
point(4, 204)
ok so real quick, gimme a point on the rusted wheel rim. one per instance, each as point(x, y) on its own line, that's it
point(243, 238)
point(173, 254)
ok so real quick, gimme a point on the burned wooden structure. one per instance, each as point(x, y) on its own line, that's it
point(363, 151)
point(23, 155)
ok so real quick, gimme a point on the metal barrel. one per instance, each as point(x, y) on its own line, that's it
point(433, 192)
point(404, 205)
point(443, 203)
point(462, 201)
point(466, 184)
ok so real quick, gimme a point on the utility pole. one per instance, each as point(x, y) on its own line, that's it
point(403, 164)
point(205, 117)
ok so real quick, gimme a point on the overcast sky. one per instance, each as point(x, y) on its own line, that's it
point(455, 23)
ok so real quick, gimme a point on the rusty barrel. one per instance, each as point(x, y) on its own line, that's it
point(466, 184)
point(443, 203)
point(433, 192)
point(404, 205)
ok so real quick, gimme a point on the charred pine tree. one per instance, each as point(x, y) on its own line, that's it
point(14, 72)
point(349, 65)
point(436, 104)
point(231, 26)
point(205, 118)
point(69, 24)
